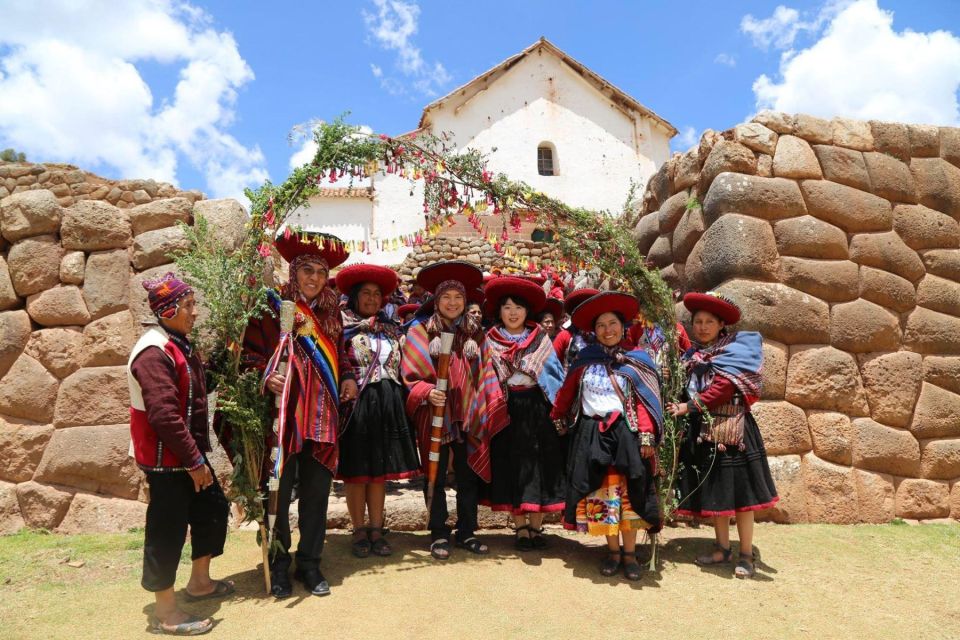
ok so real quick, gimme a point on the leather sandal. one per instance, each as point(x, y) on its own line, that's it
point(360, 547)
point(631, 568)
point(610, 564)
point(538, 538)
point(192, 626)
point(440, 549)
point(474, 545)
point(745, 567)
point(711, 559)
point(523, 543)
point(380, 546)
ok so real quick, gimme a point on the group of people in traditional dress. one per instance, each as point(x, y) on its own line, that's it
point(548, 403)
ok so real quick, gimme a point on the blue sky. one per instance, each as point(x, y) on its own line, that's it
point(206, 93)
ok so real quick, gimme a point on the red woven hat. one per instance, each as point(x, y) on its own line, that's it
point(466, 273)
point(522, 288)
point(554, 306)
point(576, 297)
point(406, 309)
point(323, 245)
point(475, 295)
point(355, 274)
point(534, 277)
point(715, 303)
point(587, 313)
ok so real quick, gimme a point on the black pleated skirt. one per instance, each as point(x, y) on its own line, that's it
point(715, 483)
point(527, 459)
point(378, 443)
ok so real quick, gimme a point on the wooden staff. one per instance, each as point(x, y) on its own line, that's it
point(436, 426)
point(287, 310)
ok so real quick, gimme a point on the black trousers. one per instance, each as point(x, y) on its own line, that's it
point(314, 493)
point(468, 495)
point(174, 505)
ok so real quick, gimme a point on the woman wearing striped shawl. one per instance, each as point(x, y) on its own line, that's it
point(528, 456)
point(474, 407)
point(724, 469)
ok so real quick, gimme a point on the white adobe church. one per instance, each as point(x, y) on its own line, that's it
point(540, 117)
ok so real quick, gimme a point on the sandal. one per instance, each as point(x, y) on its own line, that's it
point(610, 564)
point(711, 558)
point(221, 588)
point(745, 567)
point(539, 540)
point(360, 547)
point(474, 545)
point(523, 543)
point(191, 627)
point(631, 568)
point(380, 546)
point(440, 549)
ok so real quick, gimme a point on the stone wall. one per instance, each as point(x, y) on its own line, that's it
point(71, 308)
point(840, 240)
point(475, 250)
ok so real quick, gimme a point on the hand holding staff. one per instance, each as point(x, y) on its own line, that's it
point(436, 426)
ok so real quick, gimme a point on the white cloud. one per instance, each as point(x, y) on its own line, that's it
point(861, 68)
point(726, 59)
point(783, 27)
point(392, 28)
point(687, 137)
point(80, 97)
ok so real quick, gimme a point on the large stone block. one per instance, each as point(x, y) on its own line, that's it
point(808, 237)
point(647, 231)
point(756, 136)
point(939, 294)
point(887, 290)
point(92, 396)
point(11, 520)
point(831, 280)
point(852, 210)
point(660, 254)
point(22, 446)
point(107, 278)
point(787, 474)
point(58, 349)
point(738, 246)
point(767, 198)
point(159, 214)
point(853, 134)
point(59, 306)
point(892, 382)
point(775, 356)
point(795, 159)
point(688, 169)
point(938, 184)
point(922, 499)
point(832, 436)
point(943, 262)
point(937, 414)
point(831, 492)
point(688, 232)
point(950, 145)
point(108, 341)
point(880, 448)
point(34, 264)
point(888, 252)
point(157, 247)
point(8, 295)
point(783, 426)
point(924, 140)
point(29, 213)
point(71, 267)
point(890, 178)
point(955, 501)
point(14, 334)
point(28, 391)
point(813, 129)
point(924, 228)
point(226, 219)
point(943, 371)
point(726, 155)
point(777, 121)
point(94, 225)
point(671, 211)
point(844, 166)
point(940, 459)
point(779, 312)
point(931, 332)
point(42, 506)
point(861, 327)
point(891, 138)
point(876, 496)
point(92, 458)
point(658, 189)
point(97, 514)
point(825, 378)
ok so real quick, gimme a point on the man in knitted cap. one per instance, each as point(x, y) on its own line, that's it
point(168, 428)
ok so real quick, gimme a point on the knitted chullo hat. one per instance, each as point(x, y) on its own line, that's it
point(164, 293)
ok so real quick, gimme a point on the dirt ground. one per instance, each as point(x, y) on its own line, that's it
point(815, 581)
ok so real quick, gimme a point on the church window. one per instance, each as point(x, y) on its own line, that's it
point(546, 161)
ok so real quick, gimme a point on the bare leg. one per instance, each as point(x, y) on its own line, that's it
point(520, 522)
point(613, 544)
point(200, 582)
point(745, 531)
point(629, 542)
point(356, 503)
point(536, 520)
point(376, 497)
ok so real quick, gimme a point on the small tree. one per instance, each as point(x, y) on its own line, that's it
point(12, 155)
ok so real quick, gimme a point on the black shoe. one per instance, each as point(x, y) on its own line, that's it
point(314, 582)
point(280, 586)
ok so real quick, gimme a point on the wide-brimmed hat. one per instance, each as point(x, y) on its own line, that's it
point(514, 287)
point(578, 296)
point(553, 306)
point(406, 309)
point(322, 245)
point(466, 273)
point(586, 314)
point(384, 278)
point(715, 303)
point(474, 296)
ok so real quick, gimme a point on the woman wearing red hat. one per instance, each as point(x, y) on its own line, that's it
point(528, 457)
point(551, 316)
point(612, 398)
point(570, 339)
point(377, 443)
point(724, 469)
point(318, 377)
point(474, 407)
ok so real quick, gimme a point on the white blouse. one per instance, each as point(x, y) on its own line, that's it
point(379, 341)
point(597, 395)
